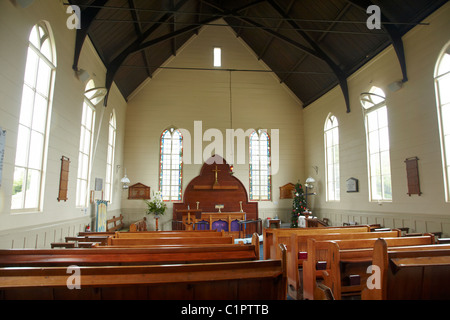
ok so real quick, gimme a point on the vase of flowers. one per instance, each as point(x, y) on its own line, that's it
point(156, 206)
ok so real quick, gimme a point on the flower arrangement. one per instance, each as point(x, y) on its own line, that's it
point(157, 205)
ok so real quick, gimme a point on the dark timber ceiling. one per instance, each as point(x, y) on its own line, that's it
point(312, 45)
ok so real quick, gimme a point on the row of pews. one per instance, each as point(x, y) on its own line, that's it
point(149, 265)
point(360, 262)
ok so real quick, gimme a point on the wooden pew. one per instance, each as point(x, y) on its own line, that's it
point(342, 264)
point(128, 242)
point(114, 221)
point(138, 226)
point(273, 237)
point(410, 273)
point(298, 244)
point(100, 239)
point(243, 280)
point(162, 234)
point(130, 256)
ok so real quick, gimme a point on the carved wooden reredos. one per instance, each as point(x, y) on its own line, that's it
point(209, 192)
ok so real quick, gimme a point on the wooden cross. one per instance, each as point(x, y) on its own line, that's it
point(215, 172)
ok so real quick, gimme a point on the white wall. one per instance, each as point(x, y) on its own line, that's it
point(57, 219)
point(413, 129)
point(176, 97)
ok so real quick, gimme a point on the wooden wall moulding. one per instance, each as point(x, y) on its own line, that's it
point(287, 191)
point(64, 179)
point(412, 174)
point(139, 191)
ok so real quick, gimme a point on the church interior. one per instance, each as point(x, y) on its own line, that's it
point(260, 126)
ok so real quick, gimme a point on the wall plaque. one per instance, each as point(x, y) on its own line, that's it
point(139, 191)
point(352, 185)
point(64, 179)
point(287, 191)
point(412, 174)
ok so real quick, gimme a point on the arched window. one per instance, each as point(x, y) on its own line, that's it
point(260, 177)
point(110, 157)
point(442, 82)
point(33, 122)
point(85, 151)
point(171, 164)
point(377, 137)
point(331, 137)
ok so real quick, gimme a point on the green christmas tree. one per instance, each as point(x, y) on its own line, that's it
point(298, 206)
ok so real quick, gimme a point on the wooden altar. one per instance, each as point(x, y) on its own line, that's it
point(215, 189)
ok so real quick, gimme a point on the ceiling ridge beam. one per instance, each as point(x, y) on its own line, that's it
point(340, 74)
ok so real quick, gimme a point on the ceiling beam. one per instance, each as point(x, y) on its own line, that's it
point(138, 30)
point(140, 44)
point(115, 64)
point(392, 31)
point(267, 45)
point(87, 16)
point(340, 74)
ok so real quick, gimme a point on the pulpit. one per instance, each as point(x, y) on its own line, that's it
point(219, 198)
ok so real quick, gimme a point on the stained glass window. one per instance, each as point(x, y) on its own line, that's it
point(171, 165)
point(260, 171)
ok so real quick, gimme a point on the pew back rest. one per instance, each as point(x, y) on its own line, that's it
point(273, 237)
point(245, 280)
point(419, 272)
point(164, 234)
point(355, 255)
point(138, 226)
point(170, 241)
point(117, 223)
point(126, 256)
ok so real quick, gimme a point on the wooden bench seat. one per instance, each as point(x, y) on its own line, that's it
point(163, 234)
point(298, 244)
point(243, 280)
point(414, 273)
point(129, 256)
point(343, 264)
point(139, 226)
point(169, 241)
point(115, 224)
point(273, 237)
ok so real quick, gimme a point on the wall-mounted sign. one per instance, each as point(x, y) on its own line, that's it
point(352, 185)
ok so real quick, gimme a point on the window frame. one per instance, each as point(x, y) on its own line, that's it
point(110, 156)
point(332, 130)
point(42, 36)
point(81, 151)
point(253, 171)
point(444, 130)
point(170, 197)
point(375, 108)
